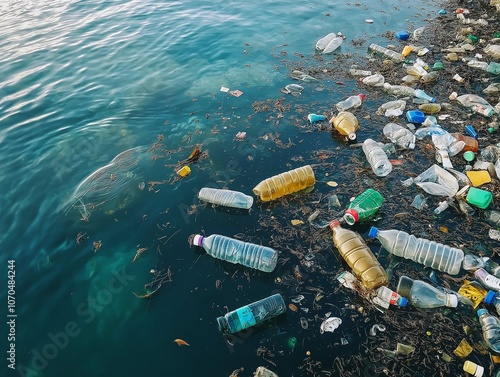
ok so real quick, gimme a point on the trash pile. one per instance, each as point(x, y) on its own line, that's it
point(424, 299)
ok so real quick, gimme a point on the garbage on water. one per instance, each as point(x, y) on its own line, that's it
point(330, 324)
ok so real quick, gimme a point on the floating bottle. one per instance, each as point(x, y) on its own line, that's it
point(429, 253)
point(373, 80)
point(399, 90)
point(493, 299)
point(285, 183)
point(399, 135)
point(252, 314)
point(359, 72)
point(491, 329)
point(377, 158)
point(226, 198)
point(473, 369)
point(419, 93)
point(351, 102)
point(423, 295)
point(473, 262)
point(430, 108)
point(260, 257)
point(386, 297)
point(363, 206)
point(358, 256)
point(471, 144)
point(392, 108)
point(346, 124)
point(487, 280)
point(393, 55)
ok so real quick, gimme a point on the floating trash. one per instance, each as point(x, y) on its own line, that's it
point(330, 324)
point(293, 89)
point(303, 323)
point(298, 299)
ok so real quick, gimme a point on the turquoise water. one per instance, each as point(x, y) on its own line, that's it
point(83, 82)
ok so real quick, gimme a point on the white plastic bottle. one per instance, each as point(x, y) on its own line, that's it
point(399, 90)
point(429, 253)
point(423, 295)
point(399, 135)
point(487, 280)
point(393, 55)
point(377, 158)
point(226, 198)
point(351, 102)
point(235, 251)
point(373, 80)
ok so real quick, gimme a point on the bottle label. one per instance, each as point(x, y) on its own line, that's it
point(245, 317)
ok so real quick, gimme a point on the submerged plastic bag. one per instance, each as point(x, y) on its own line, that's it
point(437, 181)
point(330, 324)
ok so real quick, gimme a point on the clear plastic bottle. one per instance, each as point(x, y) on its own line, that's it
point(473, 262)
point(423, 295)
point(419, 93)
point(226, 198)
point(285, 183)
point(393, 55)
point(363, 206)
point(477, 64)
point(260, 257)
point(334, 44)
point(323, 42)
point(351, 102)
point(493, 218)
point(469, 100)
point(429, 253)
point(491, 329)
point(493, 299)
point(388, 297)
point(346, 124)
point(359, 72)
point(377, 158)
point(252, 314)
point(399, 90)
point(373, 80)
point(429, 77)
point(392, 108)
point(487, 280)
point(358, 256)
point(399, 135)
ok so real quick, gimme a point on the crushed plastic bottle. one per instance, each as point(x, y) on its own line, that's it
point(377, 158)
point(399, 135)
point(399, 90)
point(351, 102)
point(226, 198)
point(373, 80)
point(392, 108)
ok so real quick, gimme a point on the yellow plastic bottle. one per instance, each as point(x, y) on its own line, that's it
point(358, 256)
point(285, 183)
point(346, 124)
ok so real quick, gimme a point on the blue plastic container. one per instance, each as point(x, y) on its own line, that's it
point(403, 35)
point(415, 116)
point(469, 130)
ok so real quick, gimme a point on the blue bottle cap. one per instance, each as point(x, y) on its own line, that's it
point(403, 35)
point(403, 302)
point(489, 297)
point(442, 11)
point(469, 130)
point(373, 232)
point(415, 116)
point(480, 312)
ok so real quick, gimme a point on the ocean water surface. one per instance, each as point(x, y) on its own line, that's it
point(99, 102)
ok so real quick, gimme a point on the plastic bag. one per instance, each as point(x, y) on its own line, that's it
point(437, 181)
point(330, 324)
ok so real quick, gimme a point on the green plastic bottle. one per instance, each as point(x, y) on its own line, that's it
point(363, 206)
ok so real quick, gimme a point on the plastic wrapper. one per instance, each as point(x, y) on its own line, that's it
point(437, 181)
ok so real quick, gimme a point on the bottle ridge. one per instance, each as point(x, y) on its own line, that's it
point(363, 206)
point(377, 158)
point(285, 183)
point(226, 198)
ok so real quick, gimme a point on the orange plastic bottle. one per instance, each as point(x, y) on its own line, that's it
point(346, 124)
point(358, 256)
point(471, 144)
point(285, 183)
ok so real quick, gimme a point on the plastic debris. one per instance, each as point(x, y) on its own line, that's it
point(330, 324)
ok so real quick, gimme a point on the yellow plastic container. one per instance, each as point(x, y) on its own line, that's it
point(285, 183)
point(184, 171)
point(478, 177)
point(346, 124)
point(473, 369)
point(358, 256)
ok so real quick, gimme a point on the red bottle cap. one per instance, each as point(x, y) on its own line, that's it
point(334, 223)
point(351, 216)
point(362, 96)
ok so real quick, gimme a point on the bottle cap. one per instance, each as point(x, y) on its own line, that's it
point(404, 286)
point(197, 240)
point(403, 302)
point(352, 136)
point(480, 312)
point(489, 297)
point(334, 224)
point(351, 216)
point(452, 301)
point(469, 156)
point(373, 232)
point(362, 96)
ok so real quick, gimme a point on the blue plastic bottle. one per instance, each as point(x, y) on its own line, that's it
point(419, 93)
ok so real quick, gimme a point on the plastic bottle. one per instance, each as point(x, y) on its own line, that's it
point(487, 280)
point(491, 329)
point(373, 80)
point(226, 198)
point(260, 257)
point(363, 206)
point(393, 55)
point(359, 72)
point(323, 42)
point(334, 44)
point(471, 144)
point(430, 108)
point(285, 183)
point(399, 135)
point(493, 218)
point(423, 295)
point(473, 262)
point(351, 102)
point(392, 108)
point(358, 256)
point(252, 314)
point(429, 253)
point(399, 90)
point(429, 77)
point(469, 100)
point(443, 205)
point(493, 50)
point(377, 158)
point(388, 296)
point(419, 93)
point(346, 124)
point(473, 369)
point(493, 299)
point(477, 64)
